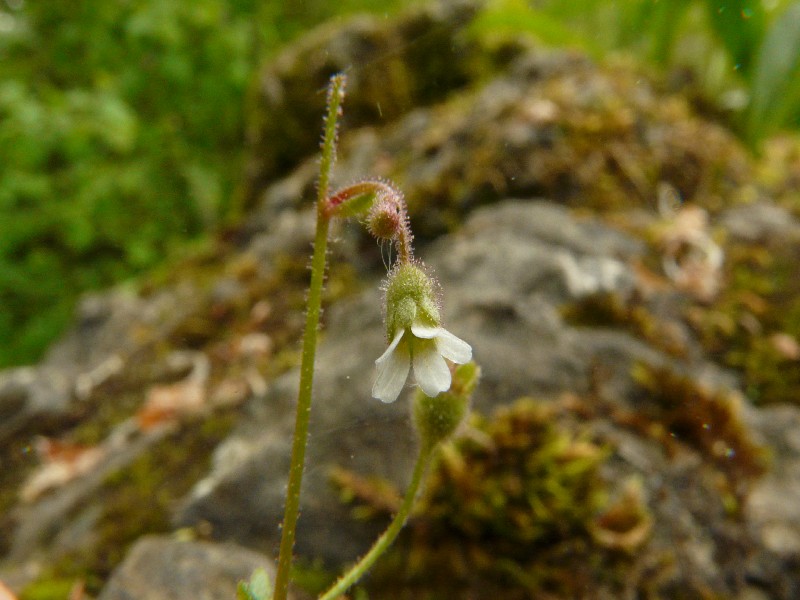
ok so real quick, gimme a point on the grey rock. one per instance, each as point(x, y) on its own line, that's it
point(772, 510)
point(29, 394)
point(110, 327)
point(161, 568)
point(504, 276)
point(761, 222)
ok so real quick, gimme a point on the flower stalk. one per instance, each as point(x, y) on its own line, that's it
point(416, 341)
point(385, 540)
point(385, 207)
point(436, 419)
point(299, 442)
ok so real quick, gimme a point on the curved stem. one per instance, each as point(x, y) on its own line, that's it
point(363, 194)
point(383, 542)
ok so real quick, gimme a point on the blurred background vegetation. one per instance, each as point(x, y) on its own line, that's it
point(121, 137)
point(122, 123)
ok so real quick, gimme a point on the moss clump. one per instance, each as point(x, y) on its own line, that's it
point(527, 481)
point(54, 588)
point(587, 137)
point(630, 314)
point(508, 512)
point(679, 411)
point(759, 307)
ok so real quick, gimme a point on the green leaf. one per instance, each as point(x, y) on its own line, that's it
point(356, 206)
point(776, 76)
point(740, 25)
point(515, 17)
point(258, 588)
point(663, 20)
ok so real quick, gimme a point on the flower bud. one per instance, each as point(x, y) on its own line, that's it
point(437, 418)
point(385, 220)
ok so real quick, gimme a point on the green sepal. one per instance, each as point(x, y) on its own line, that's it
point(357, 206)
point(410, 298)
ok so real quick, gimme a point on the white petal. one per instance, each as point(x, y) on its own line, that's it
point(393, 368)
point(453, 347)
point(430, 370)
point(398, 336)
point(425, 332)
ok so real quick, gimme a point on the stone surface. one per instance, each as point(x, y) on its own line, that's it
point(161, 568)
point(761, 223)
point(533, 192)
point(505, 276)
point(29, 394)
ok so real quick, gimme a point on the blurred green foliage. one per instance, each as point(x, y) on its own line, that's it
point(121, 123)
point(121, 136)
point(745, 54)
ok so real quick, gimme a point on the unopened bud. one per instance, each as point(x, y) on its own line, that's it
point(385, 220)
point(437, 418)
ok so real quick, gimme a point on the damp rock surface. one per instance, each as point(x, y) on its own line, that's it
point(628, 286)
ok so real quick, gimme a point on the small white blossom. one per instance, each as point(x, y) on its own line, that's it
point(424, 348)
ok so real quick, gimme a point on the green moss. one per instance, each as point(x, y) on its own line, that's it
point(529, 483)
point(759, 304)
point(139, 498)
point(679, 411)
point(607, 148)
point(56, 588)
point(110, 404)
point(508, 512)
point(312, 576)
point(631, 315)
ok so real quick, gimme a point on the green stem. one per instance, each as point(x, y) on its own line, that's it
point(292, 507)
point(383, 542)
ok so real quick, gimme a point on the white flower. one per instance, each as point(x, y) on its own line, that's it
point(425, 348)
